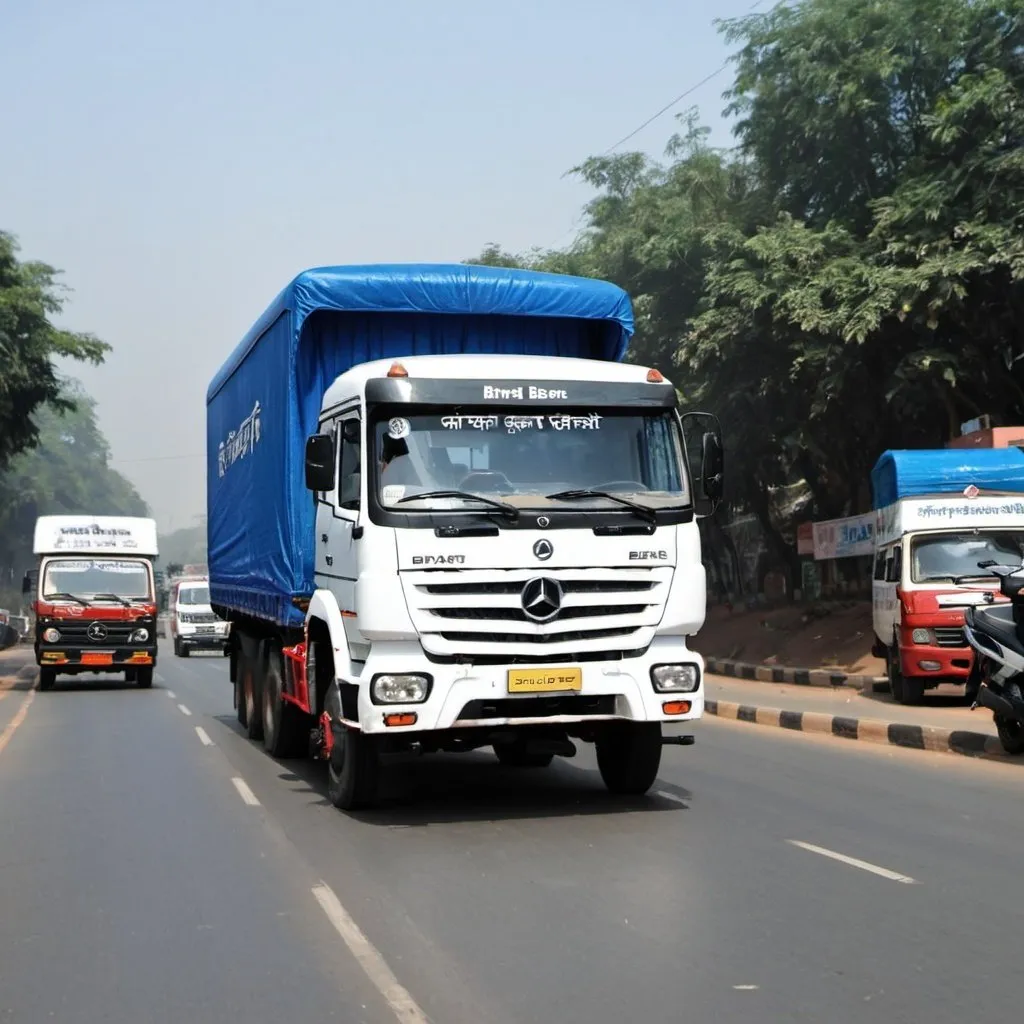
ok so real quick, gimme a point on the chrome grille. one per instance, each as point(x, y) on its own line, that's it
point(480, 612)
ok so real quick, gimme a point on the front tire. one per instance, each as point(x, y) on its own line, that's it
point(251, 670)
point(144, 677)
point(629, 756)
point(353, 771)
point(47, 677)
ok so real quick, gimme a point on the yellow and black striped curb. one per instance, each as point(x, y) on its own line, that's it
point(870, 730)
point(797, 676)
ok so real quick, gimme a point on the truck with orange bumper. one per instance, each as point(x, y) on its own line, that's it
point(94, 598)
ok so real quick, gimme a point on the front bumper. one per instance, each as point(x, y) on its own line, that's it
point(85, 660)
point(204, 641)
point(953, 663)
point(468, 696)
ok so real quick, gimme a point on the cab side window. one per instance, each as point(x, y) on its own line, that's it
point(894, 566)
point(349, 476)
point(879, 565)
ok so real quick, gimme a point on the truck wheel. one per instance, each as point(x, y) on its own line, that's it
point(283, 734)
point(353, 771)
point(251, 671)
point(907, 690)
point(515, 754)
point(629, 756)
point(177, 647)
point(129, 675)
point(144, 677)
point(47, 677)
point(895, 673)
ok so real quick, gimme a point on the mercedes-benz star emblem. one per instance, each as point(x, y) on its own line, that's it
point(96, 632)
point(542, 598)
point(543, 550)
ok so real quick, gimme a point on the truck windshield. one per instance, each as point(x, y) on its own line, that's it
point(521, 455)
point(87, 577)
point(945, 556)
point(194, 595)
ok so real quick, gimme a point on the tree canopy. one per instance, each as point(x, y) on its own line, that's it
point(68, 472)
point(848, 277)
point(30, 295)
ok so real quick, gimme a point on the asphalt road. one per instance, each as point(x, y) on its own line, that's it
point(146, 875)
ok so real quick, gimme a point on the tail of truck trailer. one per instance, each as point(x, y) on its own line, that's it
point(444, 515)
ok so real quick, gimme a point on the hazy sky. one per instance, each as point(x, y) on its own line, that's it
point(181, 161)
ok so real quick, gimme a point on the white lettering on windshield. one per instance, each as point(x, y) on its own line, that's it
point(518, 394)
point(516, 424)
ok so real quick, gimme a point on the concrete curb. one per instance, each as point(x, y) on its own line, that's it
point(870, 730)
point(797, 676)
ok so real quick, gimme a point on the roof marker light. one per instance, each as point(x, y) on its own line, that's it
point(655, 377)
point(398, 370)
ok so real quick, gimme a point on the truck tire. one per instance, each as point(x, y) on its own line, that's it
point(353, 771)
point(285, 727)
point(629, 756)
point(516, 755)
point(177, 647)
point(185, 652)
point(47, 677)
point(906, 690)
point(144, 677)
point(251, 671)
point(239, 692)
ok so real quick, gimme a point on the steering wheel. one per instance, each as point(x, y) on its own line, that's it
point(621, 485)
point(488, 480)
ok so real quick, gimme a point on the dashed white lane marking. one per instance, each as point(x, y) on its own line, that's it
point(171, 694)
point(203, 736)
point(375, 966)
point(893, 876)
point(159, 678)
point(245, 792)
point(746, 988)
point(184, 710)
point(666, 795)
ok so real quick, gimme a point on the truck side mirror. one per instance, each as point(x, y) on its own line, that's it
point(712, 467)
point(320, 463)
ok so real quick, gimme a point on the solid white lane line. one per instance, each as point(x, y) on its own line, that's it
point(203, 736)
point(171, 694)
point(893, 876)
point(375, 966)
point(245, 792)
point(666, 795)
point(184, 710)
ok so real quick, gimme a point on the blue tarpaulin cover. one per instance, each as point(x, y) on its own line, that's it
point(264, 401)
point(912, 474)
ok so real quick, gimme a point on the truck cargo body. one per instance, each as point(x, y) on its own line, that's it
point(443, 516)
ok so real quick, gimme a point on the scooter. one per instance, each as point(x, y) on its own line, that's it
point(995, 630)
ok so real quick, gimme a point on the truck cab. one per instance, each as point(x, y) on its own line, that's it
point(94, 598)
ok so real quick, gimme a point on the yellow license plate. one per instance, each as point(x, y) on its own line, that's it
point(544, 680)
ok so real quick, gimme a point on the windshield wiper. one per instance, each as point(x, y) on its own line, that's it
point(111, 597)
point(510, 511)
point(66, 597)
point(644, 512)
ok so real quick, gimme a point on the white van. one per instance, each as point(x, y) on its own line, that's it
point(194, 624)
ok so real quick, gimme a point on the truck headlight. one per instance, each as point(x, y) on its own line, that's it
point(922, 636)
point(389, 688)
point(140, 636)
point(51, 635)
point(675, 678)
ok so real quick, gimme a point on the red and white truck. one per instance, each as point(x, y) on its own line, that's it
point(938, 514)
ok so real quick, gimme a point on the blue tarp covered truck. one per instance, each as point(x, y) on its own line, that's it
point(381, 426)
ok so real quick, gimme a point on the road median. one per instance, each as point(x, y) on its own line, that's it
point(943, 724)
point(820, 677)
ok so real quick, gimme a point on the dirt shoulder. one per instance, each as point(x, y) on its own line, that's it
point(17, 664)
point(834, 635)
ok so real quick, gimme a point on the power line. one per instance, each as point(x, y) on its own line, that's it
point(682, 96)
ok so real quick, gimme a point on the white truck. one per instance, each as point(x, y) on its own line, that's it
point(939, 512)
point(194, 625)
point(496, 545)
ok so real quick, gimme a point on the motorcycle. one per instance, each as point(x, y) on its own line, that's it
point(995, 631)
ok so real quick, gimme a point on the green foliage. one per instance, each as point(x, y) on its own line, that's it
point(29, 296)
point(186, 546)
point(67, 473)
point(850, 277)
